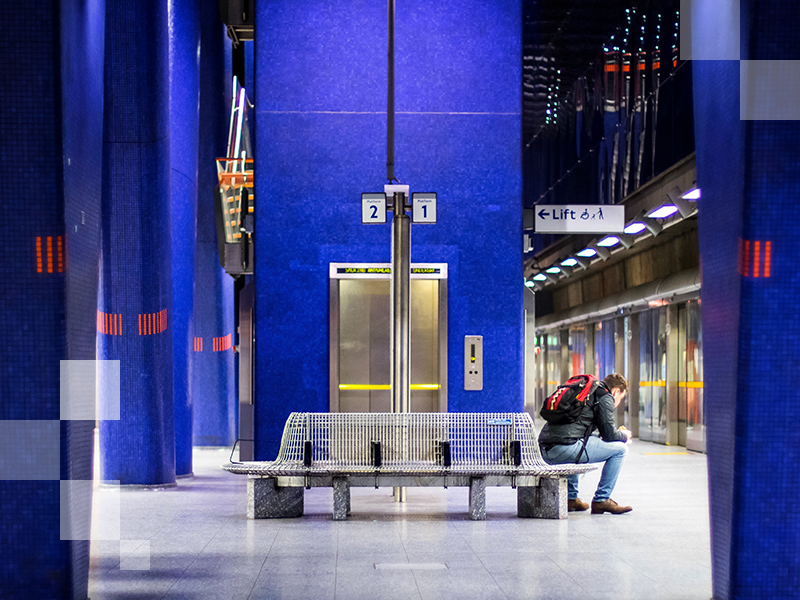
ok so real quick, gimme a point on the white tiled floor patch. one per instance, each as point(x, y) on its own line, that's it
point(194, 541)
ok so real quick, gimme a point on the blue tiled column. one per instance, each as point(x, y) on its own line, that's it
point(51, 145)
point(214, 401)
point(136, 274)
point(748, 171)
point(184, 132)
point(321, 142)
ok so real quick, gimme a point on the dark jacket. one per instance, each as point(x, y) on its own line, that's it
point(598, 413)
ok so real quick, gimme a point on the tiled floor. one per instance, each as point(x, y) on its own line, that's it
point(198, 544)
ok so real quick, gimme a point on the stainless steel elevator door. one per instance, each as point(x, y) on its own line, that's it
point(363, 333)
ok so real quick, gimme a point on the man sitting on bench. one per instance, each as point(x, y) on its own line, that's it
point(573, 443)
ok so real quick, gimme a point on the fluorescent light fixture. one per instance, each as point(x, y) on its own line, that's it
point(642, 220)
point(529, 284)
point(540, 277)
point(602, 252)
point(626, 240)
point(569, 262)
point(693, 194)
point(583, 263)
point(662, 212)
point(608, 241)
point(554, 270)
point(635, 228)
point(587, 253)
point(687, 209)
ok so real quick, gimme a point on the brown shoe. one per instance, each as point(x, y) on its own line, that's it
point(609, 506)
point(576, 505)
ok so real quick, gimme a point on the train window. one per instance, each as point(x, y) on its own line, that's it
point(553, 362)
point(690, 378)
point(604, 351)
point(653, 375)
point(577, 349)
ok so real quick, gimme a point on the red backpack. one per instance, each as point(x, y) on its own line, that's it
point(566, 403)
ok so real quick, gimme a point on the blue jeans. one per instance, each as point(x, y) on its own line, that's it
point(612, 453)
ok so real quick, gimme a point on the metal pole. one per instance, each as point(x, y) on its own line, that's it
point(400, 308)
point(390, 101)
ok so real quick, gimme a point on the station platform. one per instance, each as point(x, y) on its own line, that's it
point(194, 541)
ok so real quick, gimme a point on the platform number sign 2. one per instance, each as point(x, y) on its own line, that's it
point(373, 208)
point(423, 207)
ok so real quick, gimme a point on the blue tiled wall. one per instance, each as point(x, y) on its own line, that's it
point(750, 181)
point(720, 226)
point(50, 145)
point(136, 275)
point(321, 139)
point(184, 134)
point(213, 391)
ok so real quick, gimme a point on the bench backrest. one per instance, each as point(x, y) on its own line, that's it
point(408, 439)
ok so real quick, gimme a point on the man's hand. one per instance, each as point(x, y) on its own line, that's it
point(624, 430)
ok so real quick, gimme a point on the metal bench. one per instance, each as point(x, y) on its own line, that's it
point(344, 450)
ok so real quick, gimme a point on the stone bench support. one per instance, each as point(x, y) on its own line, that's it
point(547, 501)
point(266, 500)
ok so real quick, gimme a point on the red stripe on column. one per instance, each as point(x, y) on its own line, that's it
point(49, 254)
point(38, 254)
point(746, 258)
point(756, 259)
point(140, 323)
point(60, 256)
point(767, 258)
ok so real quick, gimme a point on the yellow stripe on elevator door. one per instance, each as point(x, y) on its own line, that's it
point(373, 387)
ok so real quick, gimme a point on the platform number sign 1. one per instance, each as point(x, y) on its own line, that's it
point(423, 207)
point(373, 208)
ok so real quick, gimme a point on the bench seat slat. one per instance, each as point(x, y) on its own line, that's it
point(276, 469)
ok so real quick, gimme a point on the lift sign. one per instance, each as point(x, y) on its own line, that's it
point(579, 218)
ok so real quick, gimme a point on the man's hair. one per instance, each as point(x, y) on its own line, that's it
point(615, 380)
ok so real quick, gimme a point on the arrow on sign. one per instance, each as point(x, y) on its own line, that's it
point(543, 214)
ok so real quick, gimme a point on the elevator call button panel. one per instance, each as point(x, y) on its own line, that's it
point(473, 362)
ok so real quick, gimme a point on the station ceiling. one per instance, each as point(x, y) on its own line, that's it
point(561, 41)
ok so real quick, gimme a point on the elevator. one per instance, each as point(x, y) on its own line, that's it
point(360, 332)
